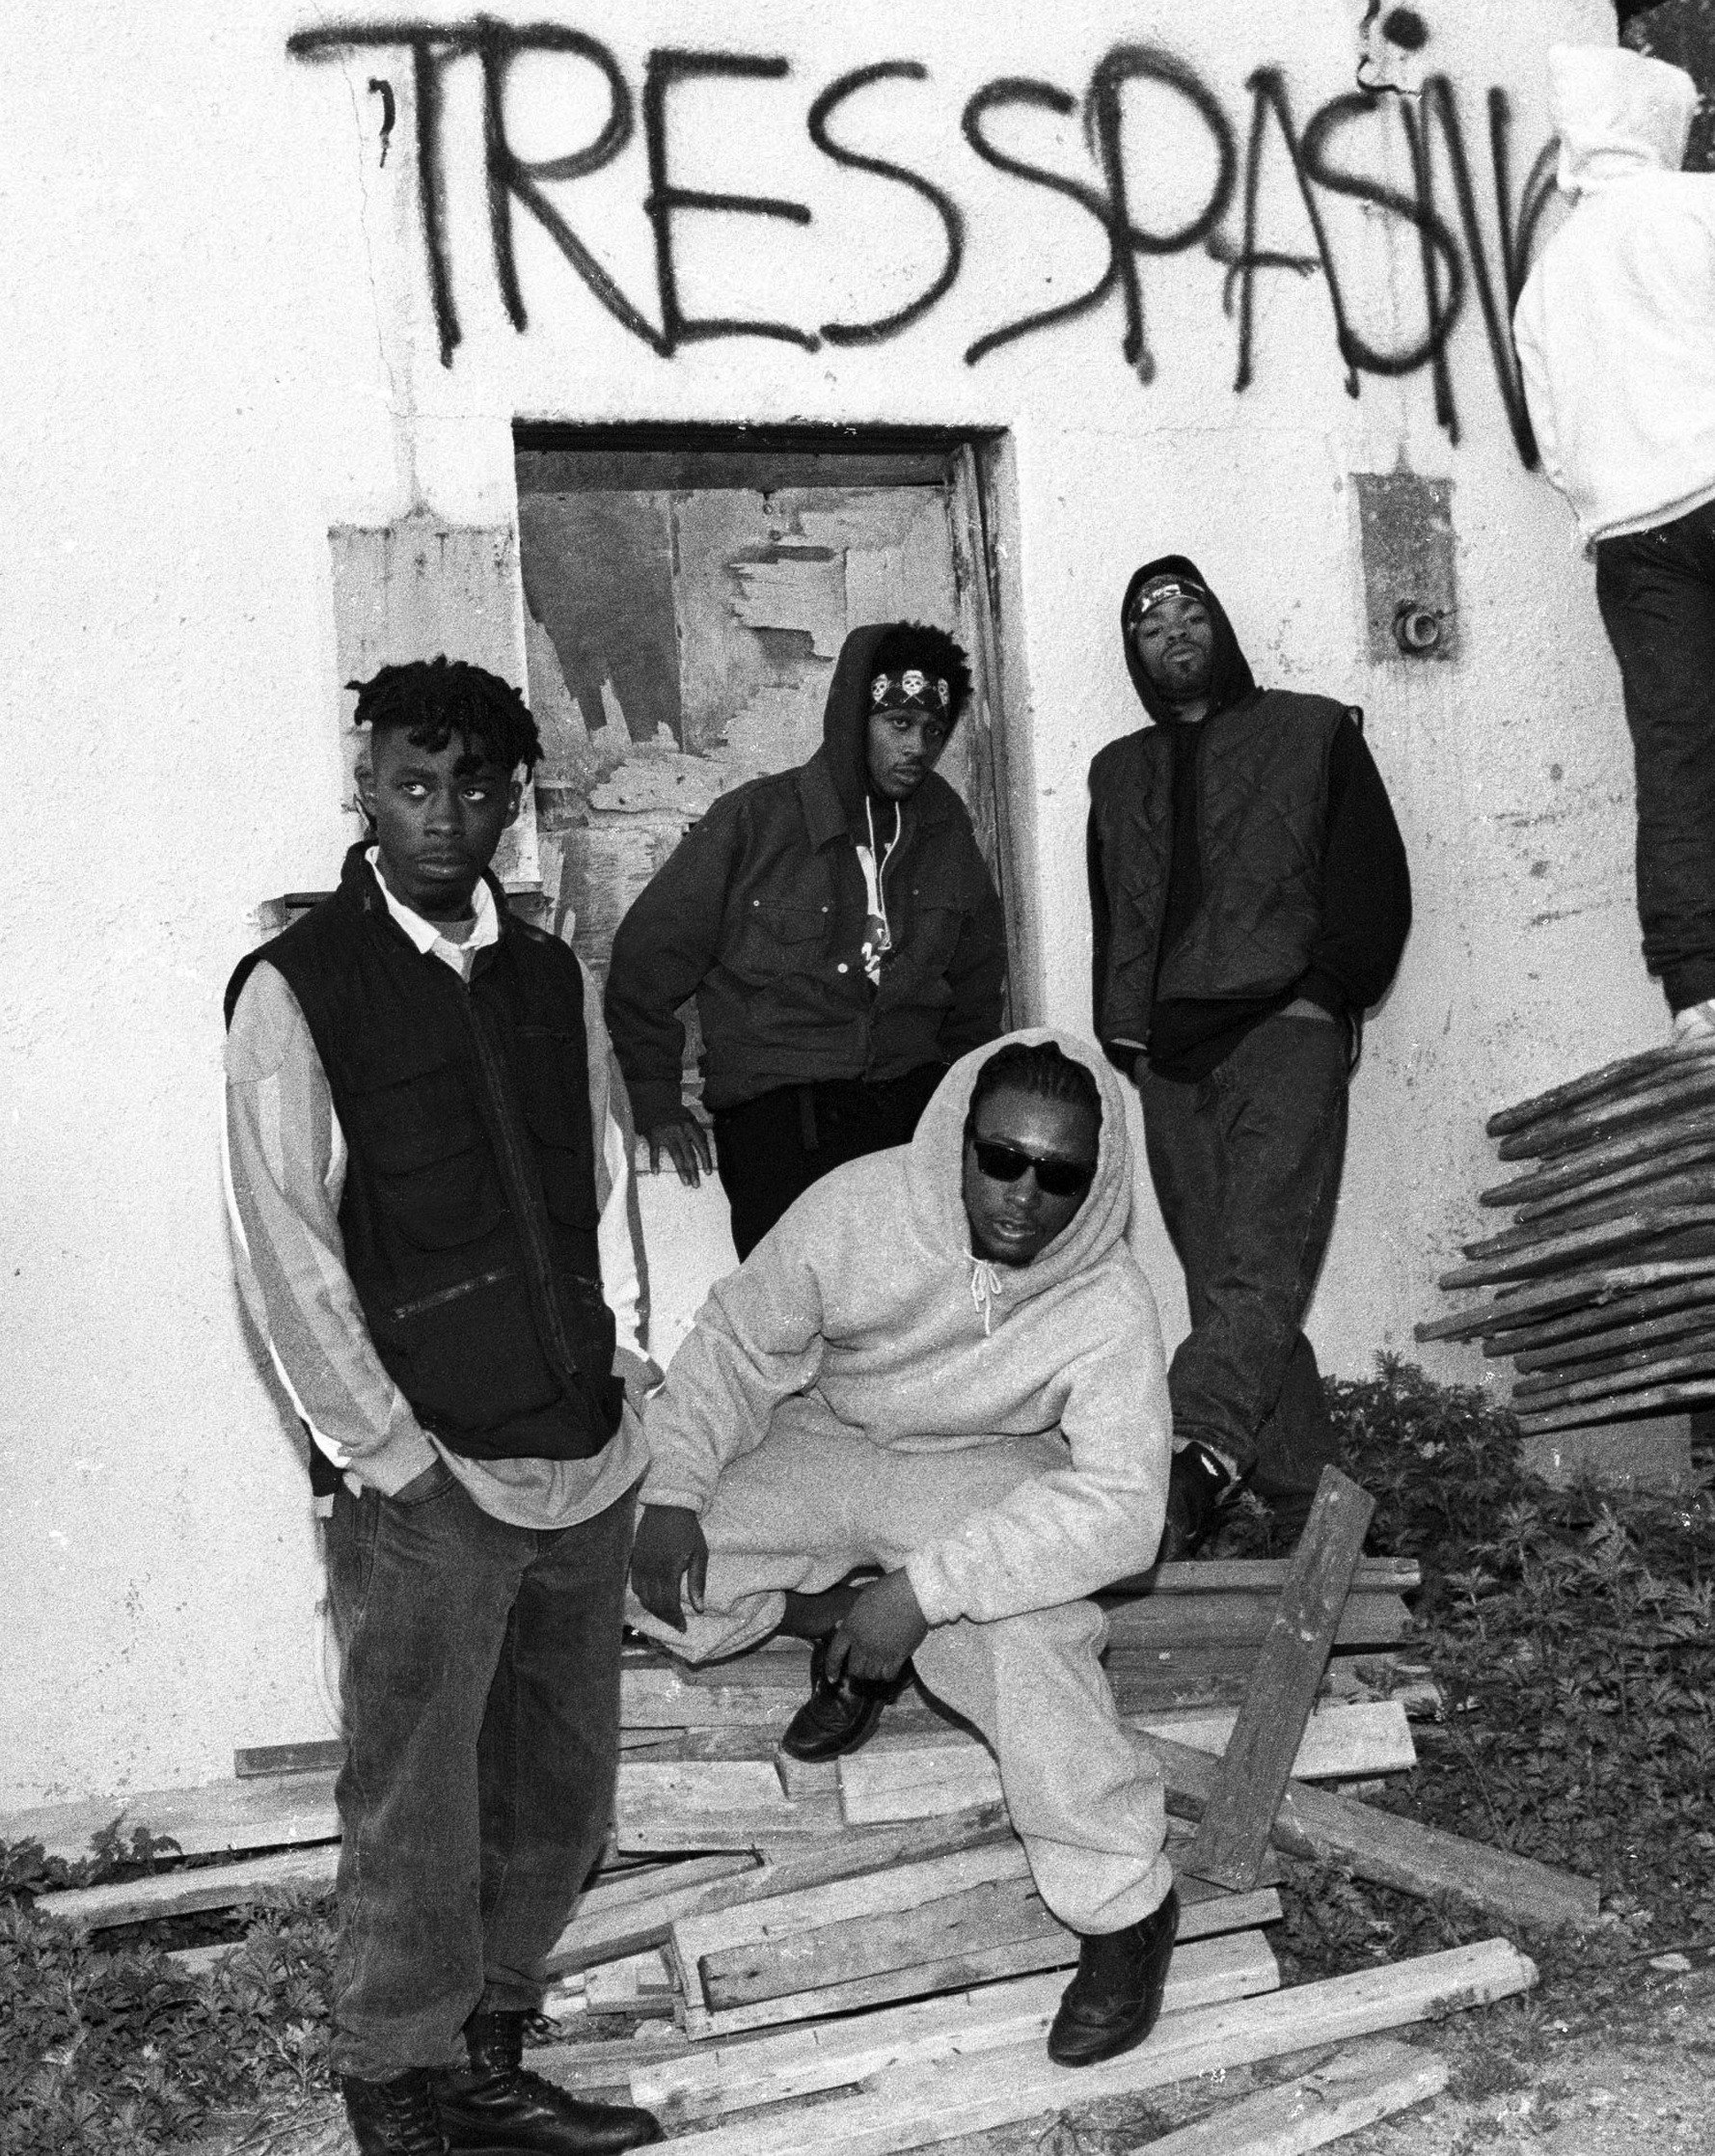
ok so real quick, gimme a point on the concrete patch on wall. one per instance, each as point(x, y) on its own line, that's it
point(1406, 546)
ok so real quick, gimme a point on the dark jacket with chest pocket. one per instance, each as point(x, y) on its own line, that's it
point(1237, 863)
point(761, 911)
point(469, 1213)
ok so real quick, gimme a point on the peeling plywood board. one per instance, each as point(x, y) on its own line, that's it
point(410, 590)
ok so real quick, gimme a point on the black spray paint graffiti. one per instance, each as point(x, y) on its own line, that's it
point(1452, 260)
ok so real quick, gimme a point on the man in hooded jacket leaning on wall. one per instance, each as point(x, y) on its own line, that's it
point(1250, 899)
point(840, 932)
point(944, 1362)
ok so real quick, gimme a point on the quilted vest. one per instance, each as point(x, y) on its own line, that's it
point(469, 1213)
point(1262, 812)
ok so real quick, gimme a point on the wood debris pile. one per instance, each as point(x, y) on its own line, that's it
point(1605, 1285)
point(786, 1961)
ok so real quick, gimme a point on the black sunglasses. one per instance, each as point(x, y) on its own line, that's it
point(1005, 1163)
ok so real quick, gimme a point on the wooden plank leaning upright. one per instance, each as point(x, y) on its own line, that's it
point(1251, 1780)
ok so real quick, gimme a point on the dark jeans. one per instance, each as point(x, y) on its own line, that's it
point(1246, 1166)
point(771, 1150)
point(480, 1682)
point(1656, 590)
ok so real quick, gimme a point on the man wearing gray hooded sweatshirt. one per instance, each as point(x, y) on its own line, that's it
point(1615, 332)
point(945, 1363)
point(1250, 900)
point(840, 931)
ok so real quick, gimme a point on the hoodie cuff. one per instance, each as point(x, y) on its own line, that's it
point(669, 1498)
point(937, 1598)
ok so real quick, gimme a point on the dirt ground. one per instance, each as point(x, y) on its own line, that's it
point(1538, 2074)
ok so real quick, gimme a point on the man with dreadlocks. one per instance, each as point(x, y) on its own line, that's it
point(428, 1164)
point(840, 932)
point(943, 1365)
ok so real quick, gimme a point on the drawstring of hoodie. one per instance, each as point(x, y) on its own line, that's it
point(985, 1286)
point(878, 933)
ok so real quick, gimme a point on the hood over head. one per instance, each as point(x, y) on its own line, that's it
point(845, 718)
point(1616, 113)
point(1230, 677)
point(934, 1170)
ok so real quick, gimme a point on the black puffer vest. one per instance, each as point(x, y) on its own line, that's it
point(1262, 812)
point(469, 1213)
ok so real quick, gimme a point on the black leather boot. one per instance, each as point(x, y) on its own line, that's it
point(839, 1715)
point(1113, 2001)
point(1198, 1486)
point(496, 2108)
point(392, 2117)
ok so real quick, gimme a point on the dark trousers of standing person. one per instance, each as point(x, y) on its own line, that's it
point(1656, 590)
point(770, 1150)
point(480, 1692)
point(1246, 1169)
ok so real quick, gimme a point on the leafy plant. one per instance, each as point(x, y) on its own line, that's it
point(1572, 1635)
point(117, 2052)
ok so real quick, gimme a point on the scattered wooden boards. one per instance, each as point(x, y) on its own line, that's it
point(1258, 1756)
point(925, 1777)
point(182, 1893)
point(1398, 1853)
point(918, 2106)
point(721, 2077)
point(1353, 2090)
point(938, 1925)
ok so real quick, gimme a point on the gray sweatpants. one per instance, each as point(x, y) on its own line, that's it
point(805, 1508)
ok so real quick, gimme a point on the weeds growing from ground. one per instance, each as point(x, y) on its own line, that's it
point(1571, 1635)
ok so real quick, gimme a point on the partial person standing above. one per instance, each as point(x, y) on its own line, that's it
point(1250, 900)
point(1615, 333)
point(945, 1364)
point(429, 1161)
point(840, 931)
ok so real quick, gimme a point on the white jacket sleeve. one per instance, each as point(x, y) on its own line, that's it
point(1067, 1534)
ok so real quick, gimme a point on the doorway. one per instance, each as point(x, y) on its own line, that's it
point(685, 596)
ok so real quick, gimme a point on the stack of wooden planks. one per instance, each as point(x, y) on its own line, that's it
point(782, 1959)
point(1605, 1283)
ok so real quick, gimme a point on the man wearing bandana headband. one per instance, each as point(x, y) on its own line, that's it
point(840, 932)
point(1250, 899)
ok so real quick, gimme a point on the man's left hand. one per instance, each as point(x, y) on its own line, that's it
point(881, 1632)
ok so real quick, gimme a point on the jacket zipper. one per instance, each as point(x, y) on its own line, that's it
point(451, 1295)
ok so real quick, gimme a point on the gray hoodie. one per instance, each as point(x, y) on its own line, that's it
point(863, 1311)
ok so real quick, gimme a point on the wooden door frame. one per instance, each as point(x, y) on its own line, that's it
point(976, 470)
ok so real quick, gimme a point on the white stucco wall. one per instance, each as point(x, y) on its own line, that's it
point(219, 344)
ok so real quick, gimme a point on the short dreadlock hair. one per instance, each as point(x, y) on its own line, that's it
point(435, 698)
point(916, 643)
point(1037, 1067)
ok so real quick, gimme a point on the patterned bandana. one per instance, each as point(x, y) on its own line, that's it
point(1164, 588)
point(910, 690)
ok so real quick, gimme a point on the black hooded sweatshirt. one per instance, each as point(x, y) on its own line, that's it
point(761, 911)
point(1366, 889)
